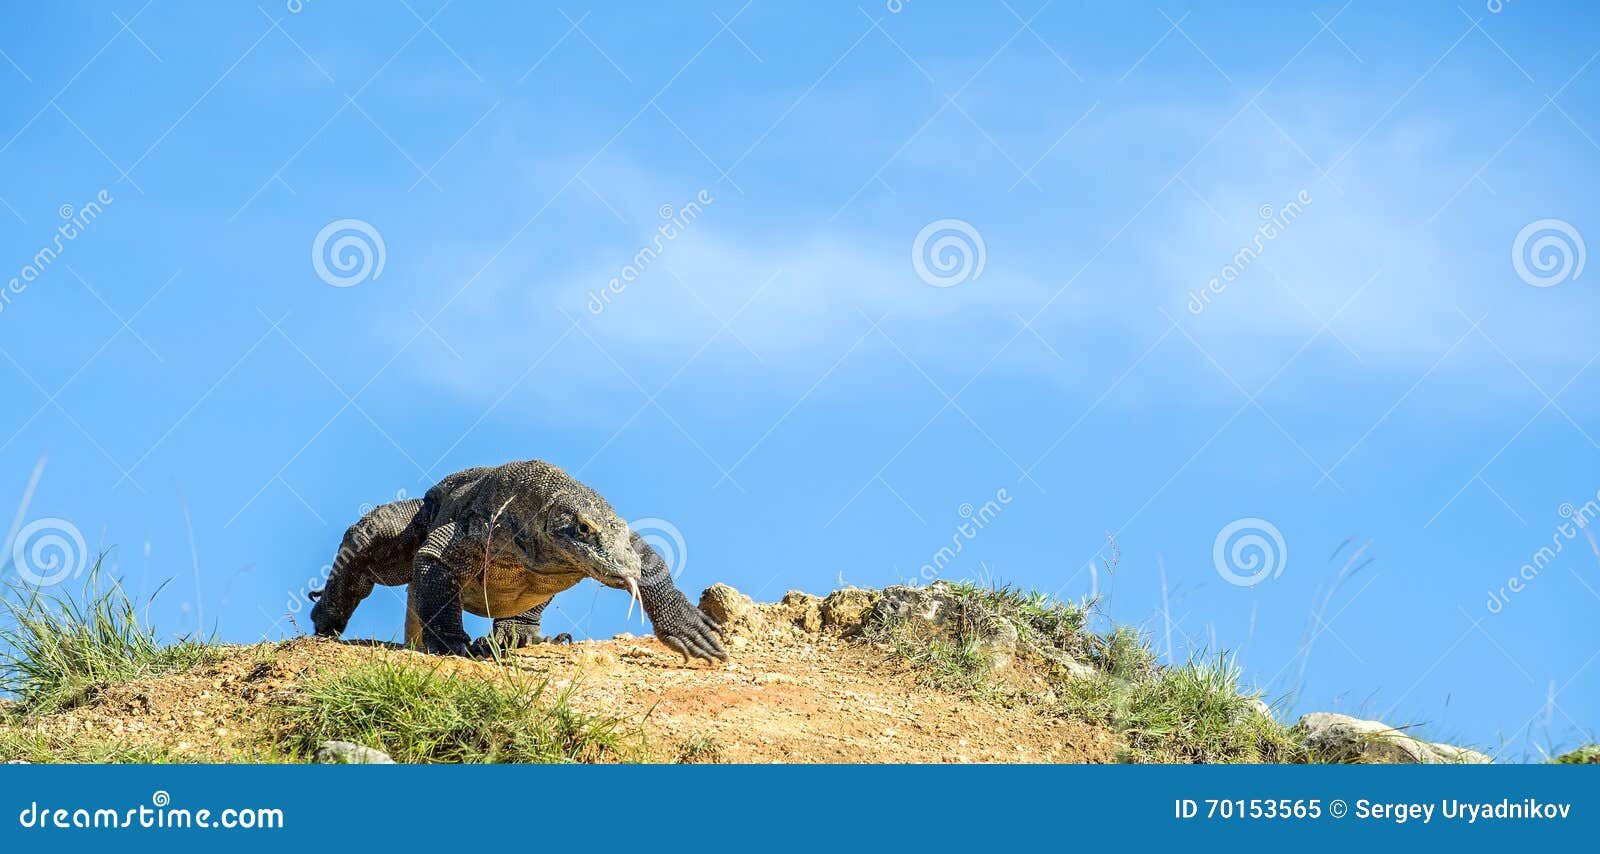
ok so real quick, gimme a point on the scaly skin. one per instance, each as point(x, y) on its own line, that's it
point(500, 541)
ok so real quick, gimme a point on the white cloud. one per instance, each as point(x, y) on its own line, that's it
point(798, 291)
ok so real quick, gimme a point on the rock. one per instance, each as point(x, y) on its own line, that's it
point(802, 610)
point(845, 611)
point(999, 642)
point(935, 605)
point(1340, 738)
point(1077, 669)
point(18, 762)
point(1449, 754)
point(733, 610)
point(1258, 707)
point(928, 605)
point(600, 660)
point(773, 679)
point(349, 753)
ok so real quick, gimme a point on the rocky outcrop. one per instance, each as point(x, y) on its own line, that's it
point(1021, 660)
point(845, 611)
point(734, 611)
point(1332, 737)
point(936, 607)
point(800, 610)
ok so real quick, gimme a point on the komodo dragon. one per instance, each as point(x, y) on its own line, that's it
point(501, 541)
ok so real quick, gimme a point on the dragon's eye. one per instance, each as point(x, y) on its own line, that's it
point(580, 529)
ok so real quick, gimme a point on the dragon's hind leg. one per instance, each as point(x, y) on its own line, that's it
point(378, 549)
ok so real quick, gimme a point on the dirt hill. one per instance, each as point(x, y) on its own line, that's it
point(788, 695)
point(944, 673)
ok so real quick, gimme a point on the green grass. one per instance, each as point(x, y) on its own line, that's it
point(1122, 653)
point(81, 748)
point(955, 664)
point(1587, 755)
point(40, 748)
point(700, 749)
point(1037, 616)
point(422, 715)
point(956, 660)
point(1197, 712)
point(56, 649)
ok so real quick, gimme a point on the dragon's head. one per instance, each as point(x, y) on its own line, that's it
point(587, 535)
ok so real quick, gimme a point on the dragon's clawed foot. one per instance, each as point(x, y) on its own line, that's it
point(502, 639)
point(453, 646)
point(694, 634)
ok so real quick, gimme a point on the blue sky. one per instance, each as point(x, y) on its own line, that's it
point(778, 383)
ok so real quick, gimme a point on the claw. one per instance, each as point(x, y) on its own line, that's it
point(633, 592)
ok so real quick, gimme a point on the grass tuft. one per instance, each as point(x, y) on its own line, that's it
point(41, 748)
point(56, 649)
point(424, 715)
point(1193, 713)
point(1039, 617)
point(1198, 713)
point(1586, 755)
point(957, 664)
point(700, 749)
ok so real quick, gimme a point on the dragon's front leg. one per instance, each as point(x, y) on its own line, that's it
point(434, 600)
point(517, 632)
point(678, 624)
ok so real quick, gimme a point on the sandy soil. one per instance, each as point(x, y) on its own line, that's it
point(788, 695)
